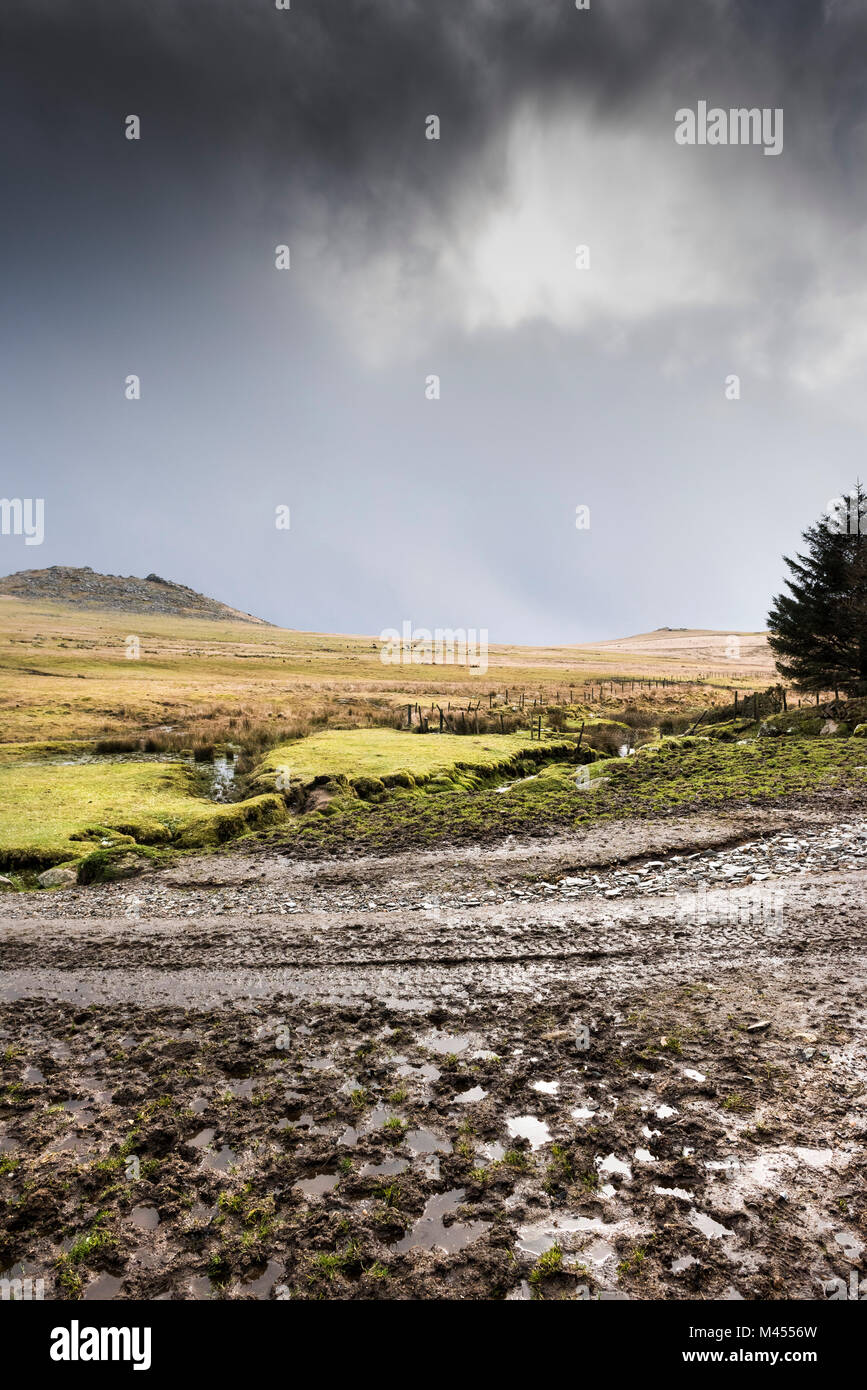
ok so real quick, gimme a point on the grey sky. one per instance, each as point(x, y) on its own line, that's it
point(411, 257)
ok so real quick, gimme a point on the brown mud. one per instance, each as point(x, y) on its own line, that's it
point(632, 1071)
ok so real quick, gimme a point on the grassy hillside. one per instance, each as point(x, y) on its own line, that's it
point(102, 755)
point(64, 673)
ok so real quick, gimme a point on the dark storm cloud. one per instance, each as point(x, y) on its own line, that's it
point(334, 91)
point(409, 257)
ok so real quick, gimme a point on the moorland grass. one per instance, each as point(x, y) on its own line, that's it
point(673, 779)
point(383, 752)
point(53, 813)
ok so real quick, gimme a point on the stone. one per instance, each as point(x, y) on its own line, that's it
point(57, 878)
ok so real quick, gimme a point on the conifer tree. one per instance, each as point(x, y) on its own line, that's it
point(818, 630)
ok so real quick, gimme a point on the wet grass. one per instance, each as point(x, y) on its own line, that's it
point(680, 776)
point(322, 709)
point(53, 814)
point(94, 812)
point(43, 806)
point(382, 752)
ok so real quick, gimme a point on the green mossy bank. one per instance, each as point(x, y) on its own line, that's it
point(376, 791)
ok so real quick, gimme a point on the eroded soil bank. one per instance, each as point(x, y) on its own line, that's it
point(526, 1087)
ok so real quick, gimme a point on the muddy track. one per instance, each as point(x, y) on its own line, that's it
point(247, 1077)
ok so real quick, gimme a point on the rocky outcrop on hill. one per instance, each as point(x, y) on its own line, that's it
point(85, 588)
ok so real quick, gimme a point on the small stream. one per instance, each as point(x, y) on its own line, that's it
point(223, 773)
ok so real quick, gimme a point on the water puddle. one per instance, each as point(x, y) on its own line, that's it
point(421, 1141)
point(200, 1287)
point(537, 1237)
point(243, 1090)
point(320, 1063)
point(529, 1127)
point(105, 1287)
point(816, 1158)
point(222, 776)
point(494, 1152)
point(145, 1218)
point(851, 1246)
point(80, 1109)
point(598, 1252)
point(714, 1230)
point(219, 1161)
point(430, 1231)
point(389, 1169)
point(262, 1285)
point(376, 1119)
point(446, 1044)
point(71, 1144)
point(318, 1185)
point(427, 1071)
point(471, 1097)
point(146, 1259)
point(616, 1166)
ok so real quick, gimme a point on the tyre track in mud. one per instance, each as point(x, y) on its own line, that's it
point(271, 1068)
point(490, 950)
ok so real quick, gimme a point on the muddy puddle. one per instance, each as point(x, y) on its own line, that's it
point(185, 1153)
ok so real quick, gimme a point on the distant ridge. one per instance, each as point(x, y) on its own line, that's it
point(84, 588)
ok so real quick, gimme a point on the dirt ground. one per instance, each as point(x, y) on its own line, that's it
point(624, 1064)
